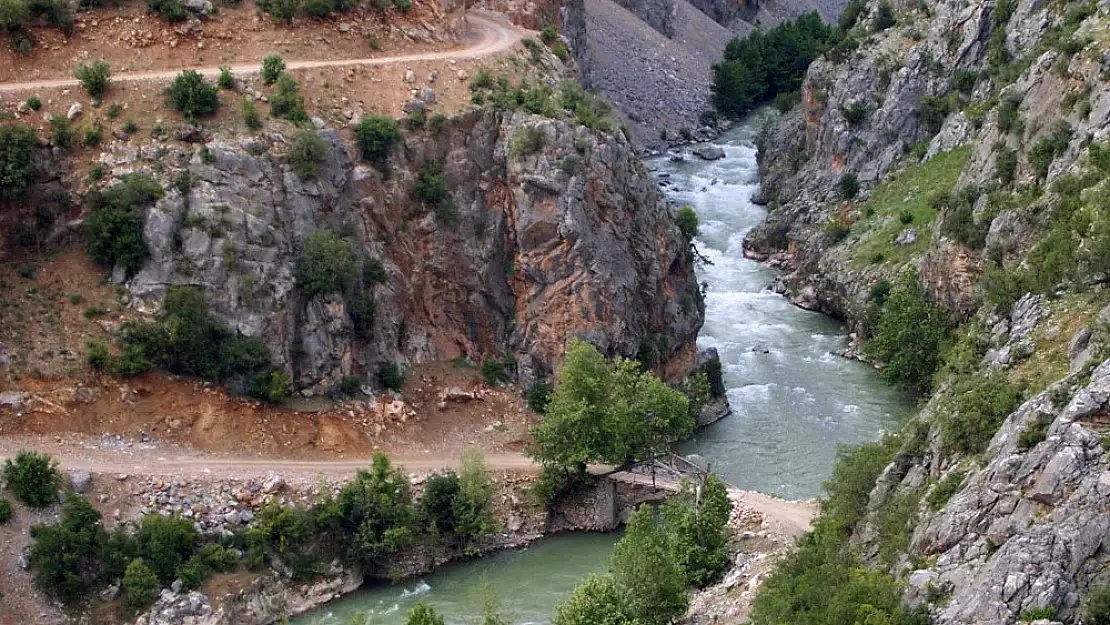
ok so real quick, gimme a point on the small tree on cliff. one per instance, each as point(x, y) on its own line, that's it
point(611, 412)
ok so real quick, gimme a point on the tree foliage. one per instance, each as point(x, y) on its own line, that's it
point(328, 265)
point(910, 335)
point(166, 543)
point(423, 615)
point(17, 169)
point(33, 478)
point(595, 601)
point(697, 533)
point(192, 95)
point(65, 554)
point(649, 579)
point(763, 64)
point(376, 135)
point(95, 78)
point(140, 584)
point(611, 412)
point(114, 227)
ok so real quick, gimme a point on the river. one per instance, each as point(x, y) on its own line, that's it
point(793, 402)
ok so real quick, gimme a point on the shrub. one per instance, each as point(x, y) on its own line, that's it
point(165, 543)
point(1037, 613)
point(482, 80)
point(944, 489)
point(375, 136)
point(438, 503)
point(549, 35)
point(963, 80)
point(251, 118)
point(61, 134)
point(687, 221)
point(33, 478)
point(269, 386)
point(499, 370)
point(1096, 606)
point(272, 67)
point(473, 505)
point(403, 5)
point(851, 15)
point(140, 585)
point(350, 385)
point(848, 185)
point(64, 554)
point(836, 231)
point(114, 227)
point(644, 569)
point(978, 406)
point(1047, 149)
point(98, 357)
point(932, 111)
point(5, 511)
point(422, 614)
point(1005, 165)
point(287, 101)
point(328, 265)
point(906, 217)
point(363, 314)
point(319, 8)
point(528, 140)
point(883, 18)
point(390, 375)
point(169, 10)
point(909, 338)
point(192, 95)
point(95, 78)
point(34, 103)
point(373, 272)
point(854, 114)
point(417, 119)
point(306, 151)
point(281, 10)
point(226, 79)
point(17, 170)
point(696, 531)
point(1034, 434)
point(539, 396)
point(431, 189)
point(1008, 112)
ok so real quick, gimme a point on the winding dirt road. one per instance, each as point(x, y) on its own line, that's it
point(486, 34)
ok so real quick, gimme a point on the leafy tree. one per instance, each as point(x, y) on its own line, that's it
point(251, 119)
point(687, 221)
point(910, 335)
point(65, 554)
point(95, 78)
point(166, 543)
point(140, 584)
point(328, 265)
point(281, 10)
point(375, 136)
point(226, 79)
point(423, 615)
point(114, 227)
point(169, 10)
point(648, 578)
point(5, 511)
point(319, 8)
point(539, 396)
point(273, 66)
point(17, 170)
point(848, 185)
point(473, 506)
point(697, 532)
point(390, 375)
point(596, 601)
point(374, 515)
point(438, 503)
point(192, 95)
point(33, 478)
point(1096, 606)
point(287, 101)
point(607, 412)
point(306, 151)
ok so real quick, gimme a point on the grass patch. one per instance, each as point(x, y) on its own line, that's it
point(908, 193)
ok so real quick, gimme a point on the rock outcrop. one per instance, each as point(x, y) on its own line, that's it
point(569, 240)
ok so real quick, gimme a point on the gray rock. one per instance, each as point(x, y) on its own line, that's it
point(410, 76)
point(709, 153)
point(907, 237)
point(13, 399)
point(74, 111)
point(79, 480)
point(191, 133)
point(319, 123)
point(428, 96)
point(204, 7)
point(344, 27)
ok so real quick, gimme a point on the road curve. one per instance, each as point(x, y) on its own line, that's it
point(489, 34)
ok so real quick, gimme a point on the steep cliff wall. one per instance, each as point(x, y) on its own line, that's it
point(568, 239)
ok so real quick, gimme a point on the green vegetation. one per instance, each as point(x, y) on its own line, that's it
point(910, 336)
point(979, 403)
point(95, 78)
point(287, 101)
point(539, 396)
point(169, 10)
point(140, 585)
point(528, 140)
point(98, 357)
point(114, 227)
point(192, 95)
point(17, 170)
point(883, 18)
point(306, 151)
point(912, 190)
point(697, 533)
point(391, 376)
point(251, 119)
point(423, 615)
point(1034, 433)
point(1037, 613)
point(848, 185)
point(764, 64)
point(273, 66)
point(61, 133)
point(281, 11)
point(687, 221)
point(70, 556)
point(431, 190)
point(376, 135)
point(5, 511)
point(328, 265)
point(1047, 149)
point(611, 412)
point(33, 478)
point(1096, 606)
point(949, 485)
point(499, 370)
point(34, 103)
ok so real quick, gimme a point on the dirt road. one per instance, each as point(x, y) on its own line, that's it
point(486, 34)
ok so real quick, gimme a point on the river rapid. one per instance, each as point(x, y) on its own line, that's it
point(793, 402)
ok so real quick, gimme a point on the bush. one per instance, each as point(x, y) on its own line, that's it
point(1005, 165)
point(1096, 606)
point(95, 78)
point(61, 134)
point(33, 478)
point(169, 10)
point(854, 114)
point(1037, 613)
point(375, 136)
point(5, 511)
point(944, 489)
point(34, 103)
point(932, 112)
point(909, 337)
point(166, 543)
point(251, 118)
point(93, 136)
point(482, 80)
point(374, 515)
point(306, 151)
point(963, 80)
point(472, 506)
point(226, 79)
point(643, 568)
point(269, 386)
point(836, 231)
point(98, 357)
point(978, 406)
point(65, 554)
point(281, 10)
point(848, 185)
point(328, 265)
point(431, 189)
point(287, 101)
point(528, 140)
point(687, 221)
point(595, 601)
point(696, 531)
point(1047, 149)
point(539, 396)
point(319, 8)
point(1008, 113)
point(373, 272)
point(499, 370)
point(390, 375)
point(363, 314)
point(883, 18)
point(192, 95)
point(140, 585)
point(114, 227)
point(851, 15)
point(273, 66)
point(17, 170)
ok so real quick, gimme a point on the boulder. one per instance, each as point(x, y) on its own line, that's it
point(74, 111)
point(907, 237)
point(79, 480)
point(203, 7)
point(709, 153)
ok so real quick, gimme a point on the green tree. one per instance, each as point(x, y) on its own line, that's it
point(65, 554)
point(33, 478)
point(595, 601)
point(95, 78)
point(376, 136)
point(910, 336)
point(114, 226)
point(272, 67)
point(438, 503)
point(423, 615)
point(648, 578)
point(192, 95)
point(473, 506)
point(374, 514)
point(607, 412)
point(17, 169)
point(687, 221)
point(5, 511)
point(696, 529)
point(306, 151)
point(328, 265)
point(1096, 606)
point(166, 543)
point(140, 584)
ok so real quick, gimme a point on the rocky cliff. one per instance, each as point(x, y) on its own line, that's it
point(570, 239)
point(962, 145)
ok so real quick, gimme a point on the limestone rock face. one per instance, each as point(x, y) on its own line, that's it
point(572, 240)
